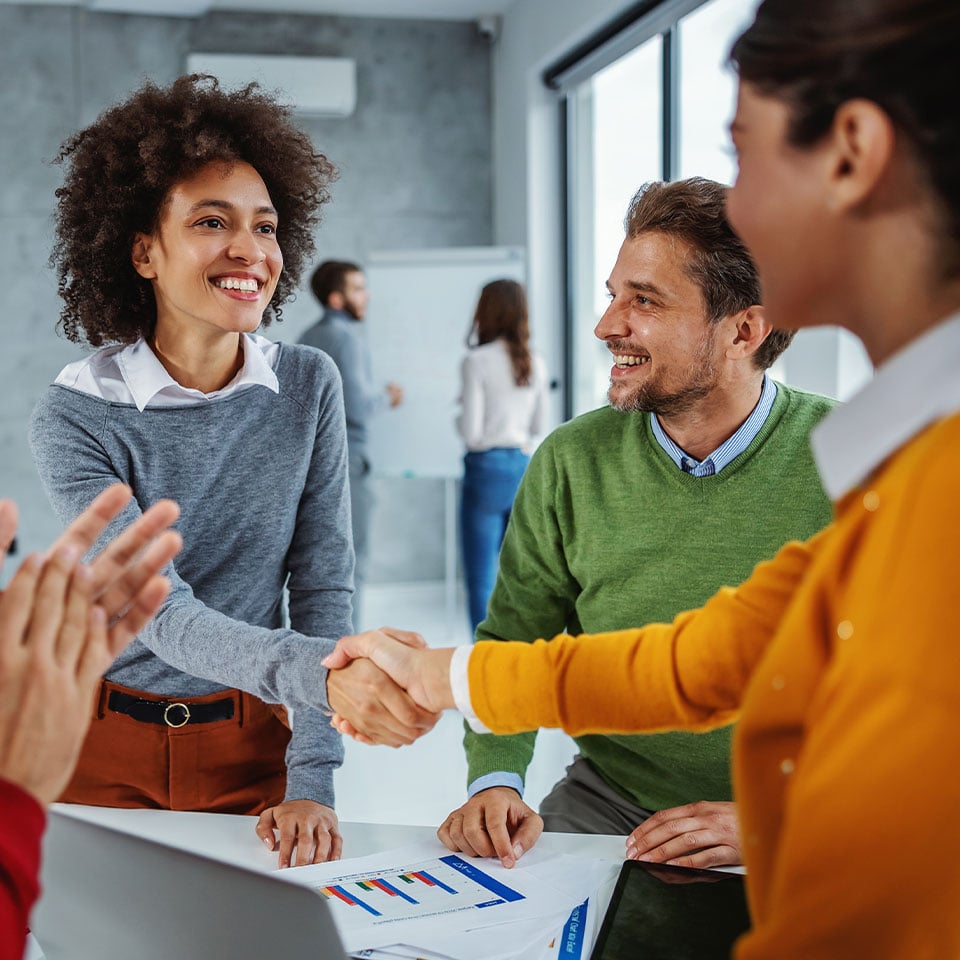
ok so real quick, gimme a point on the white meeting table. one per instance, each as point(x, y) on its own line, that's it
point(231, 839)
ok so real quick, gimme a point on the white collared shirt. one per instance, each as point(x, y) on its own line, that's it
point(133, 374)
point(915, 387)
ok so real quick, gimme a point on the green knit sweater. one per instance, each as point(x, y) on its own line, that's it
point(606, 533)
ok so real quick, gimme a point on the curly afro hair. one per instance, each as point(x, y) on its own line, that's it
point(119, 172)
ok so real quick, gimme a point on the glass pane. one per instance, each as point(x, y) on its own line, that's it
point(708, 87)
point(823, 360)
point(615, 146)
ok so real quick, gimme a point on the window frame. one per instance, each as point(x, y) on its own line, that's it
point(639, 24)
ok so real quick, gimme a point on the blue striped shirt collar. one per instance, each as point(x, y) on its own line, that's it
point(731, 448)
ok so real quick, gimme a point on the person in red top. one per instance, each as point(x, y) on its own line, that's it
point(62, 622)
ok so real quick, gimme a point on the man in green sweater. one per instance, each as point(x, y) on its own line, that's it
point(699, 468)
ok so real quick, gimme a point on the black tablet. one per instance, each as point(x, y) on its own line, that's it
point(672, 913)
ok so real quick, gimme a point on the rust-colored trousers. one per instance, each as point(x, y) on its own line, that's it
point(234, 765)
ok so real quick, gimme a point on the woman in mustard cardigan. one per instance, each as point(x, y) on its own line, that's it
point(841, 656)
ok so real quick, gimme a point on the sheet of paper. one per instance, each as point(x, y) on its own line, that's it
point(424, 903)
point(421, 893)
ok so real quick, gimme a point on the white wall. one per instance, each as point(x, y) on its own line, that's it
point(527, 188)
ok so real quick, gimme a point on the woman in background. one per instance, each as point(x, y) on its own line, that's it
point(504, 384)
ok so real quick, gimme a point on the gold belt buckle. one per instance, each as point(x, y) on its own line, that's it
point(166, 715)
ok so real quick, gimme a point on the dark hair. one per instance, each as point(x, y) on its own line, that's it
point(331, 277)
point(501, 314)
point(121, 168)
point(695, 211)
point(900, 54)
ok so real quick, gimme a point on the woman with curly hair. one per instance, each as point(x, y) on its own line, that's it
point(183, 224)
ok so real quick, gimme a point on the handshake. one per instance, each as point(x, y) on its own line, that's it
point(397, 686)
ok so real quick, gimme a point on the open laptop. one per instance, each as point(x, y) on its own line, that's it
point(112, 894)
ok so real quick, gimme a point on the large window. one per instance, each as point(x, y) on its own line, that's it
point(661, 110)
point(674, 86)
point(708, 88)
point(615, 137)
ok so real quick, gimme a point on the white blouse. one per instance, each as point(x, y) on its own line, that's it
point(496, 412)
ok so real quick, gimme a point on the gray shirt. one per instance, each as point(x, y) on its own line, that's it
point(339, 335)
point(261, 479)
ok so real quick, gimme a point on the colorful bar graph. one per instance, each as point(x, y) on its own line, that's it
point(430, 887)
point(348, 899)
point(392, 890)
point(433, 881)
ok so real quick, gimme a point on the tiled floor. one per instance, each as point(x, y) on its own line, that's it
point(422, 783)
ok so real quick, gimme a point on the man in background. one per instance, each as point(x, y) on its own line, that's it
point(341, 288)
point(699, 468)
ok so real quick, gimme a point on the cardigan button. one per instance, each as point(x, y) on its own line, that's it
point(778, 682)
point(844, 629)
point(871, 500)
point(786, 767)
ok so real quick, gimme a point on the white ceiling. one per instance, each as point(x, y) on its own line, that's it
point(414, 9)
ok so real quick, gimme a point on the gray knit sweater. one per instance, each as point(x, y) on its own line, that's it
point(261, 479)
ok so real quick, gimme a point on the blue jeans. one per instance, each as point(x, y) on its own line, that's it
point(361, 506)
point(490, 481)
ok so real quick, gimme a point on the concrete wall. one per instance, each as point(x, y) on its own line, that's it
point(415, 162)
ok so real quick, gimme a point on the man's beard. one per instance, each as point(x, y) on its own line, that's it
point(651, 396)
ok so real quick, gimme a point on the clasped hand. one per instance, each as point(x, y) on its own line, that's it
point(386, 687)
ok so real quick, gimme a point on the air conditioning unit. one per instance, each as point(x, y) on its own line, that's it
point(313, 86)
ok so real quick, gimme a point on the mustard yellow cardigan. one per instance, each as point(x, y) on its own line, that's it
point(841, 660)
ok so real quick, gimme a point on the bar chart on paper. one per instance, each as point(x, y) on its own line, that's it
point(430, 888)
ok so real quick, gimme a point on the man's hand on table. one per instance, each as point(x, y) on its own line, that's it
point(493, 823)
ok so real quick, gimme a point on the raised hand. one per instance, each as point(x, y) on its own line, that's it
point(124, 573)
point(493, 823)
point(702, 834)
point(55, 641)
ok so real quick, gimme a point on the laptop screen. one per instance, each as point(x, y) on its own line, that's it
point(107, 893)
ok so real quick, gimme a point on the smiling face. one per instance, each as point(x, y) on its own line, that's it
point(214, 260)
point(665, 349)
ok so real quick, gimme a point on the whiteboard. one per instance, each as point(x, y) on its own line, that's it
point(421, 308)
